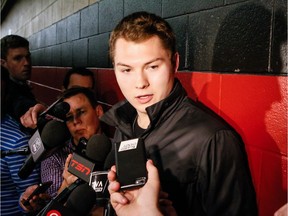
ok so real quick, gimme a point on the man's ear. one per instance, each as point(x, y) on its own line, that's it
point(3, 63)
point(99, 110)
point(175, 61)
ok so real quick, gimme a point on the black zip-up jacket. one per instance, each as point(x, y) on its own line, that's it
point(201, 161)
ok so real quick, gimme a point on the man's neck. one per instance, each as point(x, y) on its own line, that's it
point(143, 120)
point(20, 82)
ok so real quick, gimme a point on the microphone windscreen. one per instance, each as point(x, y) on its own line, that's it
point(61, 109)
point(55, 133)
point(81, 200)
point(98, 147)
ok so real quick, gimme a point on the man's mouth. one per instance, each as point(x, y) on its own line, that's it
point(143, 99)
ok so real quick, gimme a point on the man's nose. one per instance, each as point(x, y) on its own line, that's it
point(141, 80)
point(76, 120)
point(26, 60)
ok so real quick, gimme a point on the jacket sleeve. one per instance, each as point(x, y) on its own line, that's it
point(226, 182)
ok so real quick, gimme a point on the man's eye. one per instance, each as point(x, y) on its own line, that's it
point(69, 118)
point(152, 67)
point(125, 70)
point(18, 58)
point(82, 112)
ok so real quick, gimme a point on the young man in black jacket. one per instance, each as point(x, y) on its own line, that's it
point(201, 161)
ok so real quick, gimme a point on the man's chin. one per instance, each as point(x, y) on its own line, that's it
point(26, 76)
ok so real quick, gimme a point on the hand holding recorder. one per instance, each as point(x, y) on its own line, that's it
point(34, 198)
point(146, 200)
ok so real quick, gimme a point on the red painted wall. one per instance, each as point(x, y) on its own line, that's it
point(255, 105)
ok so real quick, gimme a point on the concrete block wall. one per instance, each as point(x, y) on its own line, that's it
point(234, 36)
point(36, 15)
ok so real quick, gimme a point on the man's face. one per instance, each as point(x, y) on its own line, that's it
point(144, 71)
point(82, 119)
point(79, 80)
point(18, 63)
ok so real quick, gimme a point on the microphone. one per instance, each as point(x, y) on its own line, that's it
point(53, 136)
point(81, 147)
point(20, 151)
point(58, 210)
point(56, 111)
point(77, 204)
point(98, 180)
point(60, 199)
point(98, 146)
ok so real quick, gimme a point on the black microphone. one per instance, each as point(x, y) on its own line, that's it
point(97, 149)
point(81, 147)
point(56, 111)
point(61, 198)
point(53, 136)
point(98, 146)
point(19, 151)
point(78, 204)
point(58, 210)
point(75, 205)
point(98, 180)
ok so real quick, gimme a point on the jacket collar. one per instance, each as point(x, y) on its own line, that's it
point(123, 114)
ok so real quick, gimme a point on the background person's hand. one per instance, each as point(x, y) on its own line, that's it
point(68, 178)
point(36, 203)
point(29, 119)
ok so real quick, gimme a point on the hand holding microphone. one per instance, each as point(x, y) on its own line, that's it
point(29, 119)
point(68, 178)
point(56, 111)
point(97, 149)
point(39, 115)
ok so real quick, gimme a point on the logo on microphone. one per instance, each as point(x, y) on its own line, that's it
point(36, 145)
point(98, 181)
point(53, 213)
point(80, 167)
point(97, 186)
